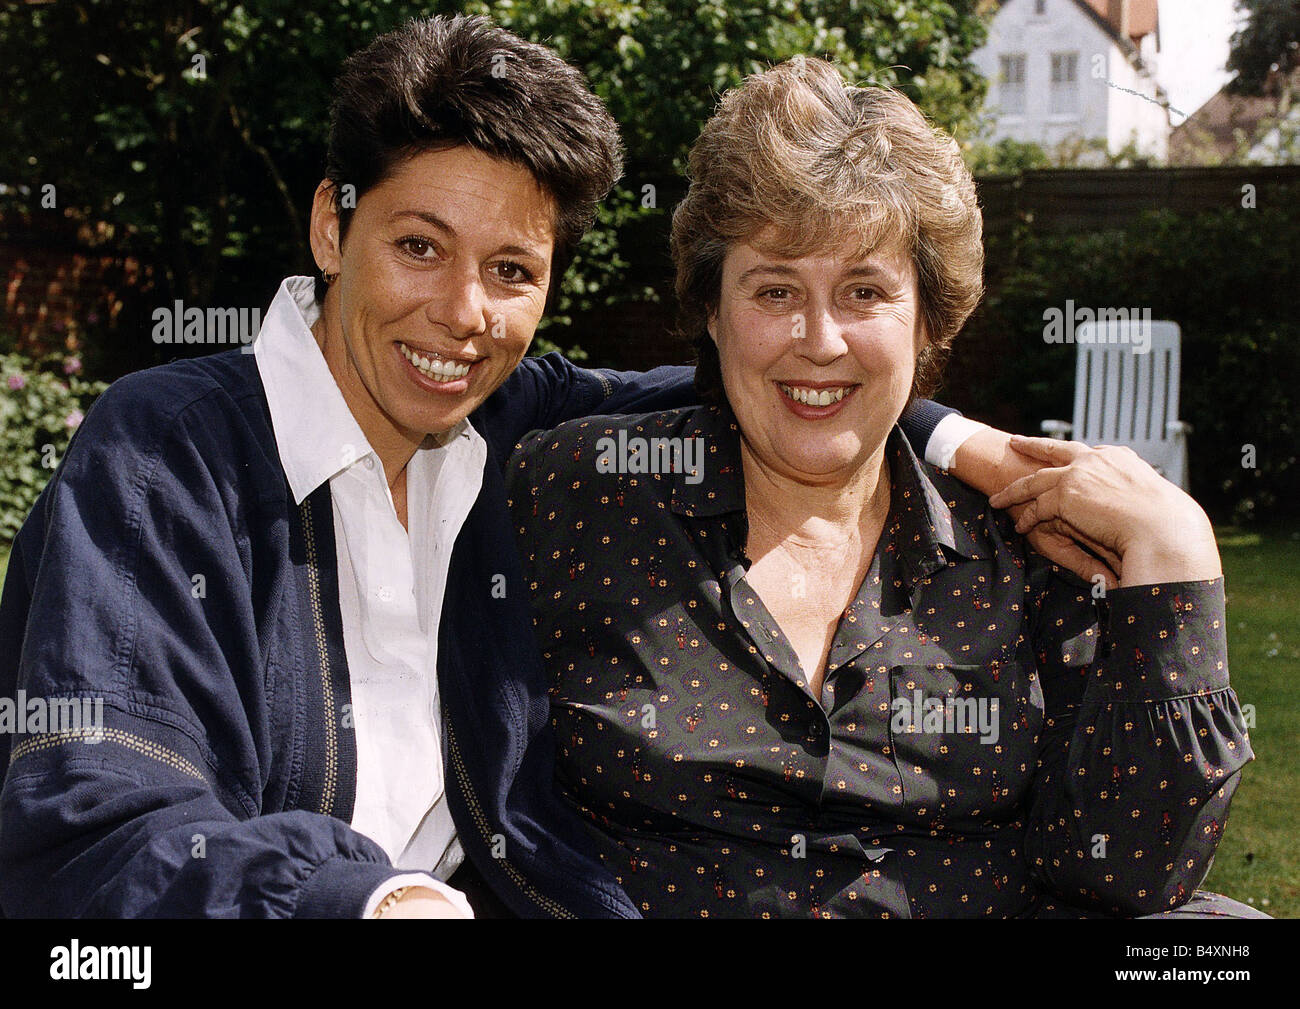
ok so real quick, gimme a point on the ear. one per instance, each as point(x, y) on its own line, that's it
point(324, 232)
point(711, 324)
point(920, 338)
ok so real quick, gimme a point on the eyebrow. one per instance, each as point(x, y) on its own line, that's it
point(433, 220)
point(861, 270)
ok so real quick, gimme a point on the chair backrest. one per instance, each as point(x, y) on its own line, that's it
point(1126, 385)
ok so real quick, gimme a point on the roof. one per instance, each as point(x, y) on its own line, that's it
point(1143, 19)
point(1143, 16)
point(1221, 124)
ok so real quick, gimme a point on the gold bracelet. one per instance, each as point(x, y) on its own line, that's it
point(387, 903)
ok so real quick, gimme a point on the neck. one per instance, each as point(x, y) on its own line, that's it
point(817, 512)
point(393, 444)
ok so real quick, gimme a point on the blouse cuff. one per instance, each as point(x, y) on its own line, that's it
point(1164, 641)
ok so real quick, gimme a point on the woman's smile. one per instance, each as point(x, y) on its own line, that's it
point(438, 373)
point(816, 400)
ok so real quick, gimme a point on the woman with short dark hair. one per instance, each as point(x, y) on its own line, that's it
point(289, 574)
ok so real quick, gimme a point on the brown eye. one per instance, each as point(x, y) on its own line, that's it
point(514, 273)
point(417, 248)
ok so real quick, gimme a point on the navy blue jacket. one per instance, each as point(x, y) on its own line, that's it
point(167, 571)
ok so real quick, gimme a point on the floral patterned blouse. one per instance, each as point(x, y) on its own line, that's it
point(988, 736)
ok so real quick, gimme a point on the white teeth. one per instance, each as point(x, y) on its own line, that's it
point(815, 397)
point(435, 368)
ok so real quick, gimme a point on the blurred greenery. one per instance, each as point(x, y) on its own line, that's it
point(41, 405)
point(1265, 50)
point(206, 135)
point(1011, 157)
point(1227, 277)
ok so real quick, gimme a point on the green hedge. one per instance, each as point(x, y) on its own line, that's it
point(1227, 277)
point(41, 405)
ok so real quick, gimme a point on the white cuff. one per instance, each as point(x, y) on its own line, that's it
point(417, 879)
point(949, 435)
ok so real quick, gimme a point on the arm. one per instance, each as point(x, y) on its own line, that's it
point(1143, 744)
point(544, 392)
point(160, 816)
point(1145, 737)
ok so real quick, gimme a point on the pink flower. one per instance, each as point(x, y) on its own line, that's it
point(16, 382)
point(72, 366)
point(74, 419)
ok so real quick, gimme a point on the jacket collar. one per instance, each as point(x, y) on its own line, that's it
point(920, 523)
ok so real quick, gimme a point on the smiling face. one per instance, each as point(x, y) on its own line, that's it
point(442, 279)
point(817, 354)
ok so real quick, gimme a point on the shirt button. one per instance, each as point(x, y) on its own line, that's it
point(385, 594)
point(370, 462)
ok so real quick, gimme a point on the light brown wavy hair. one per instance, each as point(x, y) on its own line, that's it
point(827, 165)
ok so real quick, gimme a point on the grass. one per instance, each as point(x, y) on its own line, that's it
point(1258, 859)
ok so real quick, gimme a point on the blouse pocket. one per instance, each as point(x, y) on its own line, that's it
point(965, 738)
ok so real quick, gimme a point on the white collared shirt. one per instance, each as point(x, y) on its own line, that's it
point(391, 583)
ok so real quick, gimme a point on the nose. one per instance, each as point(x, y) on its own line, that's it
point(461, 304)
point(823, 340)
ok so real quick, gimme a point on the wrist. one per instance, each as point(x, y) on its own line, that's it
point(986, 461)
point(420, 902)
point(389, 902)
point(947, 437)
point(1183, 549)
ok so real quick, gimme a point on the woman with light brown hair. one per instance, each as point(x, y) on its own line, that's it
point(818, 676)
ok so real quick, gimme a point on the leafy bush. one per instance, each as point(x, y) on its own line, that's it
point(41, 405)
point(207, 176)
point(1227, 277)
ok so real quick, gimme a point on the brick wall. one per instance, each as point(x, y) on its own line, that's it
point(62, 280)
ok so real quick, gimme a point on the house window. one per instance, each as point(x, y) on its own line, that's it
point(1064, 93)
point(1011, 87)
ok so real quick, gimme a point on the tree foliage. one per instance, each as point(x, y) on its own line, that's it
point(1266, 48)
point(195, 129)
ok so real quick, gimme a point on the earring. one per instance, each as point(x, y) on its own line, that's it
point(329, 278)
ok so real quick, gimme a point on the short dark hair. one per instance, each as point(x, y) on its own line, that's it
point(440, 82)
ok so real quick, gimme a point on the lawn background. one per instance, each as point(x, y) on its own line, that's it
point(1257, 860)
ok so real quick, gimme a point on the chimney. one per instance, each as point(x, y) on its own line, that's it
point(1117, 15)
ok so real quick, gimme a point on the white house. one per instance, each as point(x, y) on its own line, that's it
point(1062, 71)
